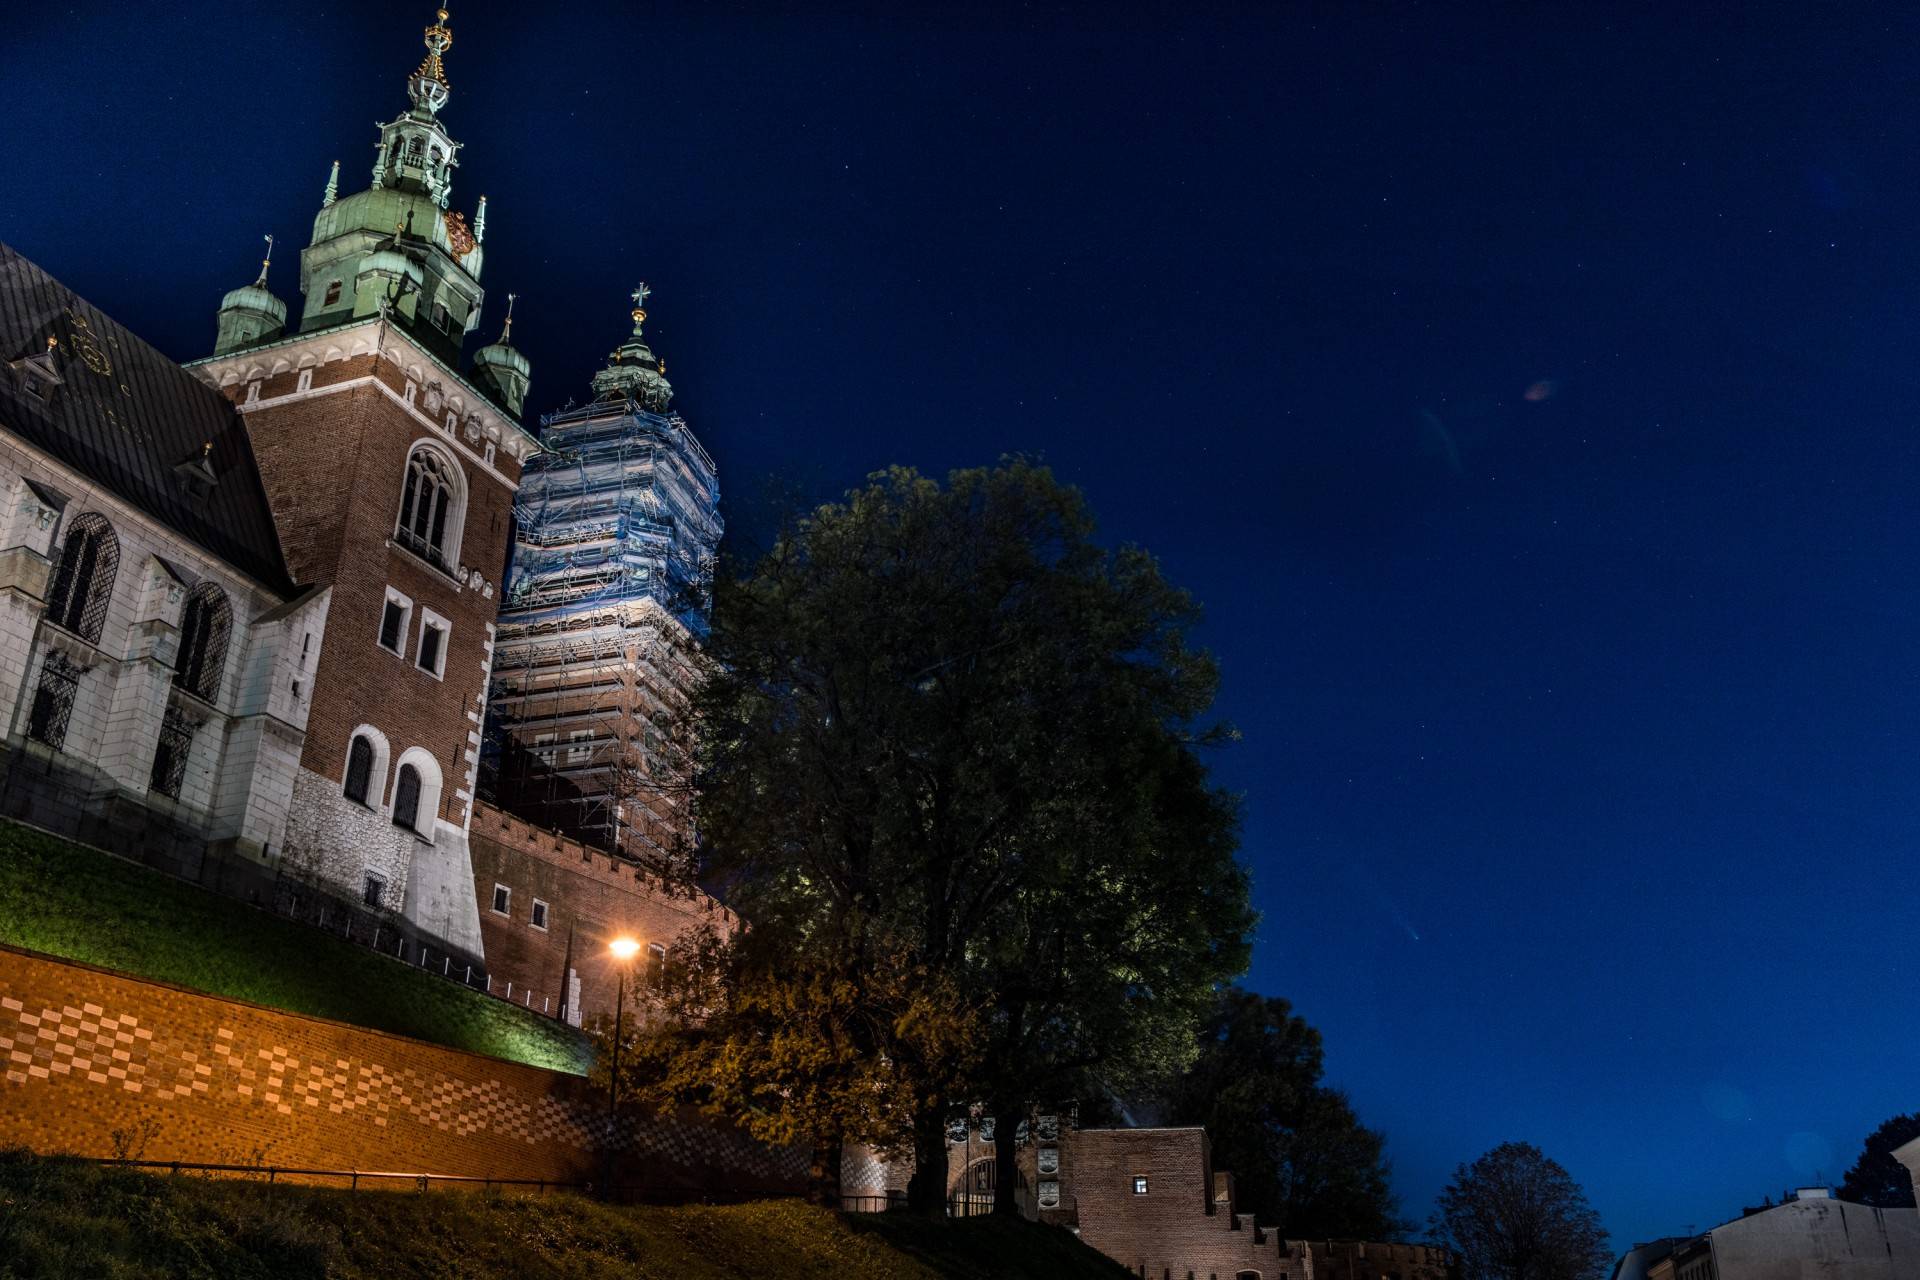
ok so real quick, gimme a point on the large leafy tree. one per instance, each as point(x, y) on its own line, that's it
point(1515, 1214)
point(942, 726)
point(787, 1044)
point(1302, 1161)
point(1876, 1177)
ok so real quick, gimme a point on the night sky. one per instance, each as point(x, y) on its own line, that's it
point(1529, 394)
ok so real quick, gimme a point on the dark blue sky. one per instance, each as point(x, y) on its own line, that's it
point(1581, 731)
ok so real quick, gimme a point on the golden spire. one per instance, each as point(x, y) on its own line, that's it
point(438, 40)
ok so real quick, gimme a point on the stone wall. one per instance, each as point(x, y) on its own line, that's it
point(88, 1052)
point(588, 898)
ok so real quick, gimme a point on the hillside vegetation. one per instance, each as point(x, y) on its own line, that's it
point(65, 1219)
point(76, 903)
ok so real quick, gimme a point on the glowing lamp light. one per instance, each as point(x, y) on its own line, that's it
point(624, 948)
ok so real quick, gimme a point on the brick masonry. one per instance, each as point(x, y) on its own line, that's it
point(87, 1052)
point(590, 898)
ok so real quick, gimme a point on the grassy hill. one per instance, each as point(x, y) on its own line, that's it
point(76, 903)
point(63, 1219)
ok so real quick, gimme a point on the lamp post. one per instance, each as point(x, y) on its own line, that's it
point(622, 950)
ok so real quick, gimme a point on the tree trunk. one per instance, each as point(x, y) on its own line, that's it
point(927, 1189)
point(823, 1174)
point(1006, 1157)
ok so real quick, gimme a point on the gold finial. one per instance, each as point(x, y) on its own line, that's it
point(52, 342)
point(438, 40)
point(265, 262)
point(506, 330)
point(206, 450)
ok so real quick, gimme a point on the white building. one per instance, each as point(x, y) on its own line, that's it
point(1809, 1237)
point(155, 656)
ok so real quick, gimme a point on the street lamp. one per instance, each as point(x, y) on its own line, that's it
point(622, 950)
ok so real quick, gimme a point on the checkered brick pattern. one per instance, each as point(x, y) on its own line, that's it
point(87, 1053)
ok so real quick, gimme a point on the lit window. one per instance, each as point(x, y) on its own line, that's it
point(656, 963)
point(1139, 1186)
point(502, 898)
point(539, 915)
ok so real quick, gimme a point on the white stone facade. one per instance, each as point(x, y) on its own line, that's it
point(237, 780)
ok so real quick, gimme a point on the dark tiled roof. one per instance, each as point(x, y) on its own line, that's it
point(128, 417)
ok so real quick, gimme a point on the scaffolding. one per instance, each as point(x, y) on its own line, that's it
point(616, 528)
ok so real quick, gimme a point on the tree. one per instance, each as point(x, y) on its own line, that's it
point(1514, 1214)
point(943, 722)
point(1876, 1177)
point(785, 1045)
point(1302, 1161)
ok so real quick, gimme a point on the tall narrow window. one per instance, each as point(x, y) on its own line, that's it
point(406, 798)
point(333, 293)
point(359, 769)
point(83, 583)
point(426, 501)
point(53, 701)
point(204, 626)
point(170, 759)
point(433, 647)
point(656, 963)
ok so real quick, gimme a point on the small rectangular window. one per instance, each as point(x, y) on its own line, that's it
point(1139, 1186)
point(333, 293)
point(502, 896)
point(539, 915)
point(432, 654)
point(580, 746)
point(430, 648)
point(394, 617)
point(373, 892)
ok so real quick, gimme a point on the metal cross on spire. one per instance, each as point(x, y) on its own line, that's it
point(640, 294)
point(265, 262)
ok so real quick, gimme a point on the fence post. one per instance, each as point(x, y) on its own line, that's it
point(468, 980)
point(509, 988)
point(355, 1184)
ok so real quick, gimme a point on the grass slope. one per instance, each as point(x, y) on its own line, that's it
point(73, 902)
point(61, 1219)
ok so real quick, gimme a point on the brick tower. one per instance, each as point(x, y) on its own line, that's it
point(617, 526)
point(391, 474)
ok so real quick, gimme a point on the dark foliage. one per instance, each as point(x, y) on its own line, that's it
point(1876, 1177)
point(1514, 1214)
point(1302, 1161)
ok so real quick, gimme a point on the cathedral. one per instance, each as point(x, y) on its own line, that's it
point(253, 609)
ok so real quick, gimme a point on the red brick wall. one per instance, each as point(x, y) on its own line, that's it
point(591, 898)
point(1169, 1231)
point(87, 1052)
point(334, 466)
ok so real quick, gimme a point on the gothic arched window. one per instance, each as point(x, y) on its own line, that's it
point(430, 507)
point(359, 768)
point(406, 798)
point(83, 583)
point(204, 626)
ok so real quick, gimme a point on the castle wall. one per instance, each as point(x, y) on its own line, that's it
point(590, 898)
point(87, 1052)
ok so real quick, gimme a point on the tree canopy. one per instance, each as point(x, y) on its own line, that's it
point(945, 734)
point(1876, 1177)
point(1302, 1161)
point(1515, 1214)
